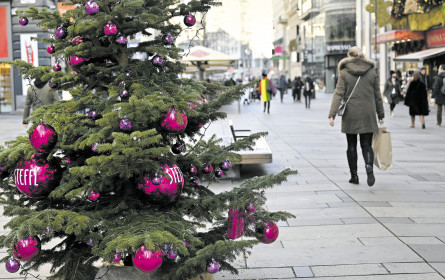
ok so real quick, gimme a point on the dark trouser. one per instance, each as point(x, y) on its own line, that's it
point(392, 106)
point(439, 114)
point(282, 91)
point(365, 144)
point(307, 101)
point(268, 106)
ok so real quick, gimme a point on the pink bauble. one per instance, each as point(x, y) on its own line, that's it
point(269, 234)
point(169, 188)
point(158, 61)
point(61, 32)
point(12, 265)
point(93, 196)
point(23, 21)
point(147, 261)
point(117, 258)
point(189, 20)
point(43, 137)
point(26, 249)
point(51, 49)
point(91, 7)
point(75, 60)
point(207, 168)
point(110, 28)
point(57, 67)
point(121, 39)
point(213, 267)
point(36, 178)
point(174, 122)
point(125, 125)
point(167, 39)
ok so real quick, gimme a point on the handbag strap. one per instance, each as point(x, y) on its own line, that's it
point(353, 90)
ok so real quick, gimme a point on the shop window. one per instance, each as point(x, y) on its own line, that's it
point(5, 88)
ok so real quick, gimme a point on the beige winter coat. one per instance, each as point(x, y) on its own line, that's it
point(366, 101)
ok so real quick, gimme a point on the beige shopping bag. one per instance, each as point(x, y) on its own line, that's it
point(381, 144)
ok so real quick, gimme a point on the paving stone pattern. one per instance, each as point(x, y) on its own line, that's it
point(394, 230)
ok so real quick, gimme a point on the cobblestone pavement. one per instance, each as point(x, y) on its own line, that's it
point(394, 230)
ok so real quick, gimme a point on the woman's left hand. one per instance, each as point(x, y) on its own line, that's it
point(331, 121)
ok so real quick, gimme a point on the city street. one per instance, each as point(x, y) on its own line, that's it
point(394, 230)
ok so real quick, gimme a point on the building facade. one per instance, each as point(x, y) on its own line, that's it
point(19, 45)
point(314, 36)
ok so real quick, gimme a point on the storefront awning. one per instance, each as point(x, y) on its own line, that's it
point(398, 35)
point(422, 55)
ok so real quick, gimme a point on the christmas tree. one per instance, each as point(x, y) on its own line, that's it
point(113, 175)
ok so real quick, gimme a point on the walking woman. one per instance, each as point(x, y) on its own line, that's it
point(417, 100)
point(360, 114)
point(392, 91)
point(266, 89)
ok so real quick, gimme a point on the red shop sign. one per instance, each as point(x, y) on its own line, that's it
point(435, 38)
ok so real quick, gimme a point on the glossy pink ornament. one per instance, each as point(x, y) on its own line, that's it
point(219, 173)
point(93, 196)
point(251, 208)
point(43, 137)
point(124, 93)
point(95, 147)
point(207, 168)
point(174, 122)
point(51, 49)
point(226, 165)
point(117, 258)
point(167, 39)
point(110, 28)
point(213, 267)
point(178, 148)
point(269, 234)
point(36, 178)
point(91, 7)
point(172, 254)
point(23, 21)
point(57, 67)
point(12, 265)
point(169, 188)
point(61, 32)
point(121, 39)
point(125, 125)
point(75, 60)
point(147, 261)
point(235, 223)
point(94, 114)
point(192, 169)
point(158, 61)
point(189, 20)
point(26, 249)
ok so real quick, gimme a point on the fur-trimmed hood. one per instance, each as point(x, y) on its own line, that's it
point(356, 66)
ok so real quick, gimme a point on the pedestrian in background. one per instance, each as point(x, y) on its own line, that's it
point(425, 78)
point(392, 91)
point(417, 99)
point(439, 93)
point(266, 89)
point(296, 89)
point(282, 86)
point(361, 110)
point(308, 88)
point(37, 96)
